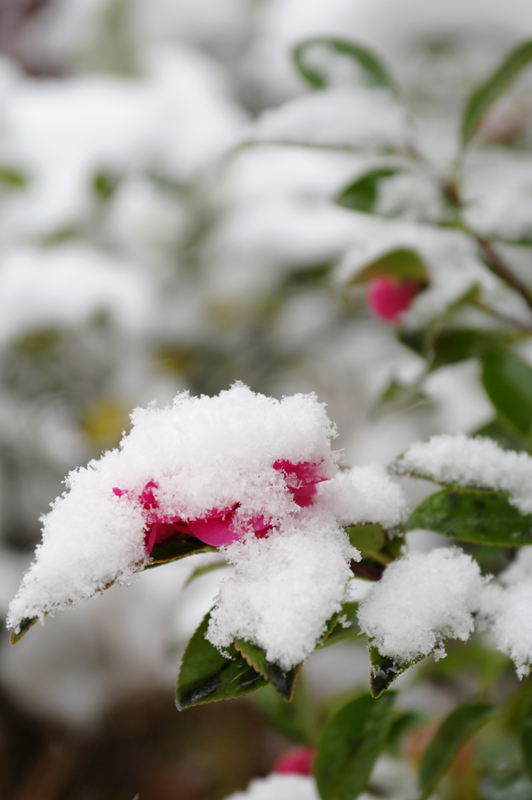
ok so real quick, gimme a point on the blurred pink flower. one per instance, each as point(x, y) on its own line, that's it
point(297, 761)
point(389, 297)
point(218, 526)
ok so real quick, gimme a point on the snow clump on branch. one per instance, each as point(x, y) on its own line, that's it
point(241, 472)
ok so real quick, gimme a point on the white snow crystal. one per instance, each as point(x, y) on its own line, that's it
point(358, 118)
point(364, 495)
point(202, 454)
point(507, 614)
point(279, 787)
point(285, 588)
point(506, 611)
point(421, 600)
point(470, 461)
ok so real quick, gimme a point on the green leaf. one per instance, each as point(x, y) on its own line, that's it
point(400, 263)
point(23, 628)
point(13, 178)
point(526, 740)
point(351, 743)
point(319, 68)
point(473, 516)
point(362, 195)
point(206, 675)
point(503, 434)
point(384, 670)
point(175, 549)
point(456, 729)
point(104, 185)
point(507, 379)
point(489, 91)
point(369, 539)
point(284, 681)
point(204, 570)
point(342, 626)
point(460, 344)
point(402, 723)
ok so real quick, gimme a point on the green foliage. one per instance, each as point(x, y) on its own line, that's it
point(345, 626)
point(362, 195)
point(322, 76)
point(526, 740)
point(24, 627)
point(284, 681)
point(473, 516)
point(384, 670)
point(401, 263)
point(206, 675)
point(454, 731)
point(459, 344)
point(351, 743)
point(296, 720)
point(13, 178)
point(507, 379)
point(488, 92)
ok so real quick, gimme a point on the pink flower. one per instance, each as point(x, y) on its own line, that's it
point(389, 297)
point(297, 761)
point(219, 526)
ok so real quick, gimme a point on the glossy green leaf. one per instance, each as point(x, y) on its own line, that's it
point(475, 516)
point(400, 263)
point(460, 344)
point(320, 59)
point(369, 539)
point(351, 743)
point(206, 675)
point(507, 379)
point(23, 628)
point(175, 549)
point(526, 740)
point(503, 434)
point(454, 731)
point(362, 195)
point(345, 626)
point(384, 670)
point(284, 681)
point(488, 92)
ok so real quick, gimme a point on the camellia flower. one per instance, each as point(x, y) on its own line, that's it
point(297, 761)
point(389, 297)
point(220, 527)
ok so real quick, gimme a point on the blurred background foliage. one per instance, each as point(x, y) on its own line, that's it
point(154, 240)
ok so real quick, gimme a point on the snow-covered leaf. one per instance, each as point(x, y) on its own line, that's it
point(326, 62)
point(384, 670)
point(488, 92)
point(207, 675)
point(362, 194)
point(284, 681)
point(456, 729)
point(473, 516)
point(345, 625)
point(350, 745)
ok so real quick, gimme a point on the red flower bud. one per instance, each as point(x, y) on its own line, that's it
point(389, 297)
point(297, 761)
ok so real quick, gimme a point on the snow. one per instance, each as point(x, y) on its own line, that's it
point(279, 787)
point(421, 600)
point(285, 588)
point(466, 461)
point(364, 495)
point(359, 118)
point(505, 611)
point(67, 286)
point(203, 453)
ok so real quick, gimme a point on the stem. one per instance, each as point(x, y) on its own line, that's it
point(498, 266)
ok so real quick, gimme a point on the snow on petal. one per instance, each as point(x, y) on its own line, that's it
point(421, 600)
point(285, 587)
point(471, 461)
